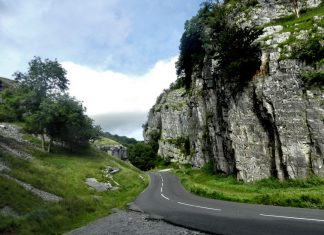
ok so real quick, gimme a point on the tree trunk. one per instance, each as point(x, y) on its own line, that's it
point(49, 145)
point(43, 142)
point(296, 7)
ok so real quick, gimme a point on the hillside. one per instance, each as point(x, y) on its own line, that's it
point(249, 95)
point(52, 193)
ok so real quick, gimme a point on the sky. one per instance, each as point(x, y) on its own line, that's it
point(119, 54)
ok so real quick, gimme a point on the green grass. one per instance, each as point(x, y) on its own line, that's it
point(64, 175)
point(106, 141)
point(308, 193)
point(305, 21)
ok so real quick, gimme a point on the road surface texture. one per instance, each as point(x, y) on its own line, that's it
point(131, 223)
point(167, 198)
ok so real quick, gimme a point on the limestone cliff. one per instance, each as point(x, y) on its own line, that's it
point(273, 127)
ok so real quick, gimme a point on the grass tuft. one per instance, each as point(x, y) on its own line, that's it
point(307, 193)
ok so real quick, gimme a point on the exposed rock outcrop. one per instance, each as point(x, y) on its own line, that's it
point(118, 151)
point(98, 186)
point(46, 196)
point(272, 127)
point(104, 186)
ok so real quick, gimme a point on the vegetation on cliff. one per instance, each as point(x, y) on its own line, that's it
point(211, 34)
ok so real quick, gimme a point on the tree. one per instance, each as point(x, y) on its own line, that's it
point(237, 55)
point(295, 5)
point(43, 78)
point(61, 118)
point(46, 108)
point(142, 156)
point(192, 51)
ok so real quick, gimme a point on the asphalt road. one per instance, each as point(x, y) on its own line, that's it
point(167, 198)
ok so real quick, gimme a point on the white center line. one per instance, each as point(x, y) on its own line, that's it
point(202, 207)
point(289, 217)
point(165, 197)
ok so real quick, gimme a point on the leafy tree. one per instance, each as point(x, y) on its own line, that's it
point(142, 156)
point(192, 51)
point(294, 5)
point(237, 54)
point(40, 100)
point(212, 34)
point(43, 78)
point(61, 118)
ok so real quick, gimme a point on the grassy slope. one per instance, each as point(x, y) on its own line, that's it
point(297, 193)
point(106, 141)
point(64, 175)
point(306, 21)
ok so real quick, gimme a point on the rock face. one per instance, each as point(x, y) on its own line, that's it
point(118, 151)
point(272, 127)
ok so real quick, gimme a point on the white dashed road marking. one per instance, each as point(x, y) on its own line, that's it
point(185, 204)
point(165, 197)
point(289, 217)
point(202, 207)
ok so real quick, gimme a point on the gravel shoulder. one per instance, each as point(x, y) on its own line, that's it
point(131, 222)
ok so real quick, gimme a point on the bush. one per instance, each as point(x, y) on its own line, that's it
point(313, 79)
point(310, 51)
point(208, 168)
point(142, 156)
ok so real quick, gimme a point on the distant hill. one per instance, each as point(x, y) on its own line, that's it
point(5, 82)
point(124, 140)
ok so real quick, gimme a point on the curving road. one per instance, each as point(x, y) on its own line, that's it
point(167, 198)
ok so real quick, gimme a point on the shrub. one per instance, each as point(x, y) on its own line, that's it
point(313, 79)
point(310, 51)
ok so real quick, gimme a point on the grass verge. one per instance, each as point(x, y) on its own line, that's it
point(64, 175)
point(308, 193)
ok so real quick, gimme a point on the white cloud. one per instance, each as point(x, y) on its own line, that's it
point(119, 102)
point(111, 92)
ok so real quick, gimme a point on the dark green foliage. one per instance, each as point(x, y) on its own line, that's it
point(8, 225)
point(246, 3)
point(43, 77)
point(192, 51)
point(237, 55)
point(208, 168)
point(181, 143)
point(124, 140)
point(154, 140)
point(142, 156)
point(13, 102)
point(310, 51)
point(211, 35)
point(39, 100)
point(313, 79)
point(63, 119)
